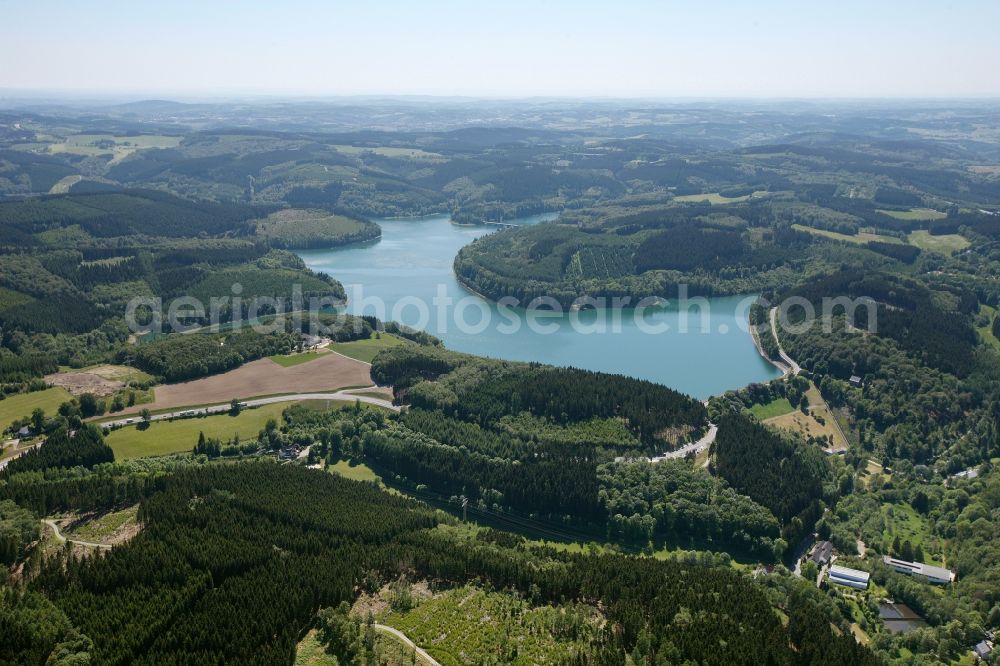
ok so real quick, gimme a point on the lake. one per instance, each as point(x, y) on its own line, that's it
point(407, 276)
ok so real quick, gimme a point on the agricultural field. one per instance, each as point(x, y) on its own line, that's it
point(468, 625)
point(808, 425)
point(945, 244)
point(101, 380)
point(21, 405)
point(915, 214)
point(716, 199)
point(119, 147)
point(366, 350)
point(290, 360)
point(861, 237)
point(166, 437)
point(778, 407)
point(328, 372)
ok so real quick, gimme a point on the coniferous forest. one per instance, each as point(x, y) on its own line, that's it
point(492, 510)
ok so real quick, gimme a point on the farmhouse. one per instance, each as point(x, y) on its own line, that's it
point(311, 341)
point(848, 577)
point(822, 553)
point(931, 573)
point(983, 650)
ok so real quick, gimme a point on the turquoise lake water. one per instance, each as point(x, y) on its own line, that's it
point(399, 277)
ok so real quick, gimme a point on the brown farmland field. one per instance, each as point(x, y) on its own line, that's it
point(263, 377)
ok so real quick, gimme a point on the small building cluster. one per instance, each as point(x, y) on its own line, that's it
point(928, 572)
point(848, 577)
point(290, 452)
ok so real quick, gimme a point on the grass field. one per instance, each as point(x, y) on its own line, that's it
point(360, 472)
point(62, 187)
point(19, 406)
point(915, 214)
point(946, 244)
point(859, 238)
point(715, 198)
point(289, 360)
point(772, 409)
point(119, 147)
point(985, 332)
point(165, 437)
point(365, 350)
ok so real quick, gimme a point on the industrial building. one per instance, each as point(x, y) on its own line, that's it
point(848, 577)
point(931, 573)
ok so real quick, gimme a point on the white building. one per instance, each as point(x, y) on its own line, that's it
point(848, 577)
point(931, 573)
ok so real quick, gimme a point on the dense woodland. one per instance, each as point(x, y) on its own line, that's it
point(181, 357)
point(225, 568)
point(870, 204)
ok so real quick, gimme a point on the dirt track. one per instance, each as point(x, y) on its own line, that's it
point(262, 377)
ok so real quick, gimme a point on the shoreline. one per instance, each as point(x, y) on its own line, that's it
point(754, 334)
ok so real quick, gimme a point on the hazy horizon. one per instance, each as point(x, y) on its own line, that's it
point(774, 49)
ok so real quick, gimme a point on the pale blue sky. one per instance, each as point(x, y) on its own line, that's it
point(801, 48)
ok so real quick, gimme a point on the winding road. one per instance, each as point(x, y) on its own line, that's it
point(346, 395)
point(693, 447)
point(401, 636)
point(793, 367)
point(63, 539)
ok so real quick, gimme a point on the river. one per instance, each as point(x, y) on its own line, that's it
point(412, 265)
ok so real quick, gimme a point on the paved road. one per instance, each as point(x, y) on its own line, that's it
point(800, 552)
point(256, 402)
point(63, 539)
point(693, 447)
point(401, 636)
point(793, 366)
